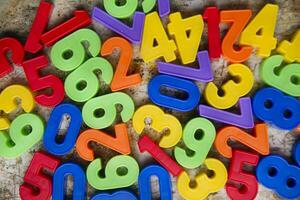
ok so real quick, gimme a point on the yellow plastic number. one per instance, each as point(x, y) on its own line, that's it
point(291, 50)
point(9, 103)
point(187, 44)
point(204, 184)
point(264, 22)
point(233, 90)
point(154, 33)
point(160, 122)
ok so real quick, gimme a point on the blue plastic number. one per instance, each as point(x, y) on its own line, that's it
point(297, 153)
point(79, 181)
point(53, 126)
point(275, 173)
point(271, 105)
point(183, 105)
point(115, 196)
point(163, 176)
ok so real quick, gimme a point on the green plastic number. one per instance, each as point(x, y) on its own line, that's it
point(284, 78)
point(107, 103)
point(120, 11)
point(25, 131)
point(69, 53)
point(198, 135)
point(83, 84)
point(121, 171)
point(148, 5)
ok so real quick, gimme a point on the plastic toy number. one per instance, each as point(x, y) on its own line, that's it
point(290, 50)
point(259, 142)
point(121, 171)
point(249, 188)
point(15, 47)
point(180, 104)
point(69, 53)
point(204, 184)
point(163, 6)
point(120, 12)
point(79, 182)
point(92, 110)
point(239, 19)
point(25, 131)
point(276, 173)
point(120, 143)
point(271, 105)
point(160, 121)
point(52, 129)
point(196, 141)
point(233, 90)
point(8, 102)
point(165, 187)
point(115, 196)
point(121, 80)
point(264, 21)
point(286, 79)
point(83, 84)
point(35, 177)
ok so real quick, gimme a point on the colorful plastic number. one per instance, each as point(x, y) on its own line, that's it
point(204, 184)
point(69, 53)
point(239, 20)
point(120, 12)
point(244, 120)
point(203, 73)
point(120, 143)
point(121, 80)
point(163, 6)
point(115, 196)
point(52, 129)
point(159, 122)
point(264, 22)
point(17, 54)
point(212, 16)
point(284, 79)
point(81, 19)
point(79, 181)
point(37, 83)
point(259, 142)
point(83, 83)
point(271, 105)
point(197, 142)
point(121, 171)
point(276, 173)
point(164, 180)
point(91, 110)
point(290, 50)
point(8, 102)
point(155, 43)
point(146, 144)
point(133, 34)
point(187, 44)
point(39, 25)
point(25, 131)
point(35, 177)
point(168, 101)
point(232, 89)
point(248, 182)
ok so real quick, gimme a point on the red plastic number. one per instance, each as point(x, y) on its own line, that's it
point(15, 47)
point(38, 83)
point(249, 188)
point(37, 185)
point(121, 80)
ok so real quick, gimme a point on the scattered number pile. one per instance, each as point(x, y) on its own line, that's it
point(79, 51)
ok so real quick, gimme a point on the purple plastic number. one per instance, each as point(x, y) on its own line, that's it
point(134, 33)
point(202, 74)
point(163, 7)
point(244, 120)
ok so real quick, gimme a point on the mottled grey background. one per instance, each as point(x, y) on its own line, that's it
point(16, 17)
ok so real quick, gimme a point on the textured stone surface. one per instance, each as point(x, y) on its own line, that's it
point(16, 17)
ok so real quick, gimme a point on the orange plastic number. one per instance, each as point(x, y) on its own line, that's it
point(120, 143)
point(121, 80)
point(258, 142)
point(238, 19)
